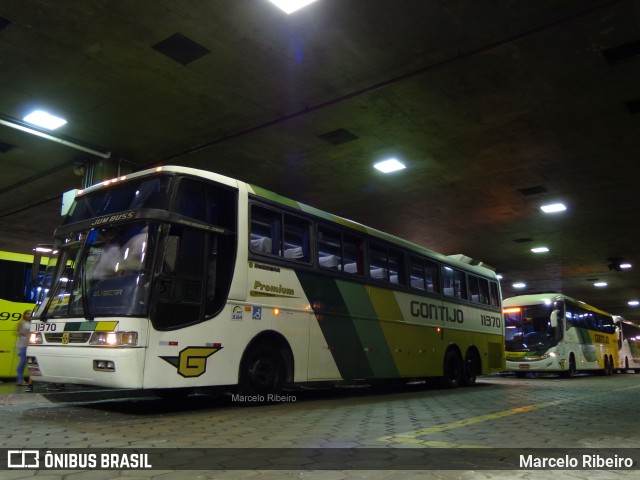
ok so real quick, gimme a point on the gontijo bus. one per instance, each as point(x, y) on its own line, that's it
point(176, 278)
point(628, 345)
point(553, 333)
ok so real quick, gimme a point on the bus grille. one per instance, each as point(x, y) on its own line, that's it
point(72, 337)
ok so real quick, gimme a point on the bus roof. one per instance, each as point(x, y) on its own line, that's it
point(546, 298)
point(454, 260)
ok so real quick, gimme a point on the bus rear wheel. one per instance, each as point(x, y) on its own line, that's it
point(452, 369)
point(470, 369)
point(262, 372)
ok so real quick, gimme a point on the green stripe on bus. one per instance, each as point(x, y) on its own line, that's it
point(269, 195)
point(586, 344)
point(337, 325)
point(369, 329)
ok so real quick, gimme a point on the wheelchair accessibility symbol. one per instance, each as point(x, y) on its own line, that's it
point(257, 313)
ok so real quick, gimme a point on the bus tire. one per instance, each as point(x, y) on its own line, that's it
point(612, 368)
point(571, 372)
point(607, 368)
point(452, 369)
point(470, 369)
point(262, 371)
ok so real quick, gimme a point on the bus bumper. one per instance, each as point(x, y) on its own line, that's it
point(548, 364)
point(102, 367)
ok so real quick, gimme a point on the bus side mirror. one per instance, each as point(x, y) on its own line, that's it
point(171, 254)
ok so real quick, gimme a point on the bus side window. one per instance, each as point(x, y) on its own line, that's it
point(453, 283)
point(474, 289)
point(266, 231)
point(352, 255)
point(329, 249)
point(484, 291)
point(495, 294)
point(296, 238)
point(431, 276)
point(416, 273)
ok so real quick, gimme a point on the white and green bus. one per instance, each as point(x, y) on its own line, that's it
point(176, 278)
point(628, 345)
point(553, 333)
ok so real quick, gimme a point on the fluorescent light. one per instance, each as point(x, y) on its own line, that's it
point(600, 284)
point(519, 285)
point(540, 250)
point(633, 303)
point(44, 120)
point(553, 208)
point(290, 6)
point(390, 165)
point(625, 265)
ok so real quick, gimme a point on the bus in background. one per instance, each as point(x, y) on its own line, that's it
point(176, 278)
point(16, 296)
point(628, 345)
point(553, 333)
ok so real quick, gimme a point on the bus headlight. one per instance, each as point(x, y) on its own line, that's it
point(114, 339)
point(35, 338)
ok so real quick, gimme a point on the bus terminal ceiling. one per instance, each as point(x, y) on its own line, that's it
point(496, 109)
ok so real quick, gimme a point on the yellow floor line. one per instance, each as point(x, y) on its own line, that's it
point(412, 437)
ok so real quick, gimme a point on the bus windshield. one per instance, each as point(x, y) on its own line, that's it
point(100, 272)
point(530, 329)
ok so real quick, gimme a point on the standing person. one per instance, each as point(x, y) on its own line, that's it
point(22, 332)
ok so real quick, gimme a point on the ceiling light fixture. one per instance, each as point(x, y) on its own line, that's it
point(519, 285)
point(616, 264)
point(624, 266)
point(390, 165)
point(66, 141)
point(553, 208)
point(600, 284)
point(540, 250)
point(633, 303)
point(43, 119)
point(290, 6)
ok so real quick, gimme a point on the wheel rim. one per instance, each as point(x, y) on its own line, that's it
point(263, 374)
point(470, 371)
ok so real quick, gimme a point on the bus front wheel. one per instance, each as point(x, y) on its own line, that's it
point(262, 371)
point(571, 372)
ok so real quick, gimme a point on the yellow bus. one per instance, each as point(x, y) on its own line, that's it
point(553, 333)
point(16, 296)
point(176, 278)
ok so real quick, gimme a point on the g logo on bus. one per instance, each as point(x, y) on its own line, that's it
point(65, 338)
point(192, 361)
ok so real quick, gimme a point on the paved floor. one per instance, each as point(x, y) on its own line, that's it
point(450, 426)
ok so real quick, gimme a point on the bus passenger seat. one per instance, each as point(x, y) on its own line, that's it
point(329, 261)
point(294, 253)
point(262, 245)
point(379, 273)
point(351, 267)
